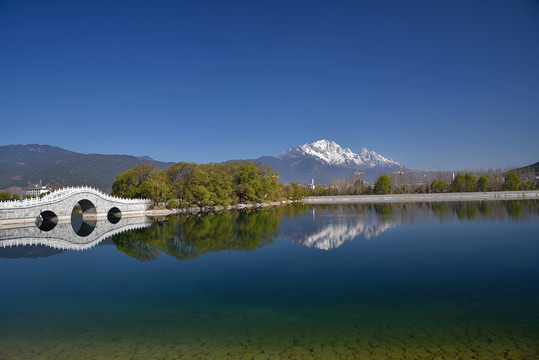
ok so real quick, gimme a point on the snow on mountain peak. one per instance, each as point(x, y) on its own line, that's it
point(333, 154)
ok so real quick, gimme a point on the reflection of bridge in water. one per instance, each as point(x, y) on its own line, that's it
point(63, 237)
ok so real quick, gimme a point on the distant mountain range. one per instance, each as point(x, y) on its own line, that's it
point(23, 165)
point(324, 161)
point(321, 161)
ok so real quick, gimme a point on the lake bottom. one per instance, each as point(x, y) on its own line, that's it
point(392, 330)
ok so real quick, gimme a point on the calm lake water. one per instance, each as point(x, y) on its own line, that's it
point(360, 281)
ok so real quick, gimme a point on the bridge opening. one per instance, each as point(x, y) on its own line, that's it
point(46, 221)
point(84, 217)
point(114, 215)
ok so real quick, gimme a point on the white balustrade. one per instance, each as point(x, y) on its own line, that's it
point(60, 194)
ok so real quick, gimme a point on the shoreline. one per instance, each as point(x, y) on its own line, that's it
point(389, 198)
point(434, 197)
point(207, 209)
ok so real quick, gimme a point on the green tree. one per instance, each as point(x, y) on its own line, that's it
point(295, 191)
point(5, 196)
point(383, 184)
point(253, 182)
point(219, 184)
point(179, 177)
point(130, 184)
point(459, 183)
point(483, 184)
point(15, 197)
point(469, 182)
point(156, 188)
point(527, 185)
point(201, 185)
point(195, 191)
point(438, 186)
point(512, 182)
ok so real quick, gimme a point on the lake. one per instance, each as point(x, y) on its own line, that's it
point(350, 281)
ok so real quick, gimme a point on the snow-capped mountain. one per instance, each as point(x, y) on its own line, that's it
point(324, 161)
point(333, 154)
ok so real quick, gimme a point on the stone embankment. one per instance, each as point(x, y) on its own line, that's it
point(471, 196)
point(206, 209)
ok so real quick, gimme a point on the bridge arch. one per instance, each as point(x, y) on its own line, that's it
point(46, 220)
point(87, 206)
point(93, 204)
point(84, 217)
point(114, 215)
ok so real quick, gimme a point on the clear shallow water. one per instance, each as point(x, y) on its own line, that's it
point(391, 281)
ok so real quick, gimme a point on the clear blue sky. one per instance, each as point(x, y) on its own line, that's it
point(432, 84)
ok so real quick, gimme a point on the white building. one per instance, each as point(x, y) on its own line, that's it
point(37, 190)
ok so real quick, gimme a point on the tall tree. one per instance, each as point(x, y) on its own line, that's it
point(512, 181)
point(178, 177)
point(483, 183)
point(253, 182)
point(438, 186)
point(459, 183)
point(129, 183)
point(156, 187)
point(469, 182)
point(383, 184)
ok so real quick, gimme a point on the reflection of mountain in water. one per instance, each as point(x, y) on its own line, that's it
point(328, 226)
point(320, 226)
point(326, 233)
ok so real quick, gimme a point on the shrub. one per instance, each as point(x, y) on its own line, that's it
point(172, 204)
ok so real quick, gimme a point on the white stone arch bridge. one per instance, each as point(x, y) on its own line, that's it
point(79, 206)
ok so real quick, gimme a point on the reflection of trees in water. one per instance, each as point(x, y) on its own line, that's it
point(408, 213)
point(484, 208)
point(383, 209)
point(465, 211)
point(440, 208)
point(189, 237)
point(513, 208)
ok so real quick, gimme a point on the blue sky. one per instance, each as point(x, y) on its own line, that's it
point(432, 84)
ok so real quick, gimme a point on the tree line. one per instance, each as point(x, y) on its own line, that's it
point(189, 184)
point(6, 196)
point(467, 182)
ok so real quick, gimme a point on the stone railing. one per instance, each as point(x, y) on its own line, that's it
point(69, 244)
point(63, 193)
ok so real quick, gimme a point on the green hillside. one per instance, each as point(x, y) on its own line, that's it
point(23, 165)
point(527, 172)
